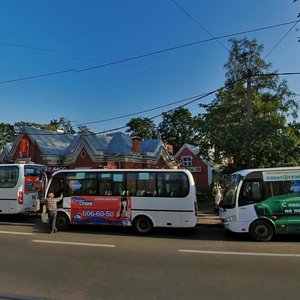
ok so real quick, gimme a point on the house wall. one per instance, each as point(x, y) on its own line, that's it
point(33, 153)
point(201, 177)
point(83, 160)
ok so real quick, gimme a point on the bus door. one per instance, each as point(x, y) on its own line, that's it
point(251, 204)
point(292, 206)
point(8, 189)
point(270, 206)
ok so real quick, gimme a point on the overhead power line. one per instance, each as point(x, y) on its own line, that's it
point(144, 55)
point(182, 46)
point(284, 36)
point(198, 23)
point(141, 112)
point(192, 100)
point(38, 76)
point(32, 47)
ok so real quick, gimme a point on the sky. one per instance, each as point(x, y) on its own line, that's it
point(103, 62)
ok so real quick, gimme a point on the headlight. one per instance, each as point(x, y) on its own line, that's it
point(230, 219)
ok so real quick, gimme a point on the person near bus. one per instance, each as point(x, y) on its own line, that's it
point(51, 204)
point(218, 198)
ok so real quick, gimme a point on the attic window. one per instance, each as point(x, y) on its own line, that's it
point(186, 161)
point(83, 153)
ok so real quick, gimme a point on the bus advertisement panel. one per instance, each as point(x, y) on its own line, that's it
point(101, 210)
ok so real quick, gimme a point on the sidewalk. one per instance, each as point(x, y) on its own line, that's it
point(206, 214)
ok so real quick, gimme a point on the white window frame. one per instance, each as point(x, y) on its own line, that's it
point(187, 161)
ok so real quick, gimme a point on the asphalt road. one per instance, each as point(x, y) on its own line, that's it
point(114, 263)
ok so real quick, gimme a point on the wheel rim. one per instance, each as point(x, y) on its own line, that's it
point(62, 222)
point(143, 225)
point(261, 231)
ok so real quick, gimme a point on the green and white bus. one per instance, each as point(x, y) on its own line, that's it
point(262, 202)
point(142, 198)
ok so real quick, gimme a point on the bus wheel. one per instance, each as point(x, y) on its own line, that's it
point(261, 231)
point(143, 225)
point(62, 221)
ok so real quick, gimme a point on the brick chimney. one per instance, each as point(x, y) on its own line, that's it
point(136, 144)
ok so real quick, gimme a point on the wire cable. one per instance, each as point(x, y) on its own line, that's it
point(38, 76)
point(32, 47)
point(139, 112)
point(196, 22)
point(182, 46)
point(144, 55)
point(193, 99)
point(284, 36)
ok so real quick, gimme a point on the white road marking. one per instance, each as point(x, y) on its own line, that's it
point(240, 253)
point(73, 243)
point(15, 232)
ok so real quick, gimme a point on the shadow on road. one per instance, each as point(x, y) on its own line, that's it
point(202, 232)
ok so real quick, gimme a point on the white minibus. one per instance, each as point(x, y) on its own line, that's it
point(20, 184)
point(141, 198)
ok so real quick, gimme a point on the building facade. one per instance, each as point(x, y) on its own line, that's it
point(188, 157)
point(86, 150)
point(93, 150)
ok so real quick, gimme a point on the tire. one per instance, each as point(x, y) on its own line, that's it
point(261, 231)
point(62, 221)
point(143, 225)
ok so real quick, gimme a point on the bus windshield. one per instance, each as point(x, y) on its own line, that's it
point(230, 191)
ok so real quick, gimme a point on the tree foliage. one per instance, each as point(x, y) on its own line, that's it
point(61, 124)
point(177, 128)
point(142, 127)
point(262, 138)
point(7, 134)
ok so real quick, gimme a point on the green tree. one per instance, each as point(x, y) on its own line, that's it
point(18, 126)
point(54, 125)
point(248, 118)
point(65, 125)
point(177, 128)
point(142, 127)
point(82, 128)
point(7, 134)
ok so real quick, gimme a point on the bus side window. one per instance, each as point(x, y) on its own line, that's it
point(132, 184)
point(251, 192)
point(57, 187)
point(146, 184)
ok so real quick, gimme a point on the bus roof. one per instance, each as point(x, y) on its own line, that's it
point(245, 172)
point(121, 170)
point(21, 164)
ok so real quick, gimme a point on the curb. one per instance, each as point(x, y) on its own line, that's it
point(207, 215)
